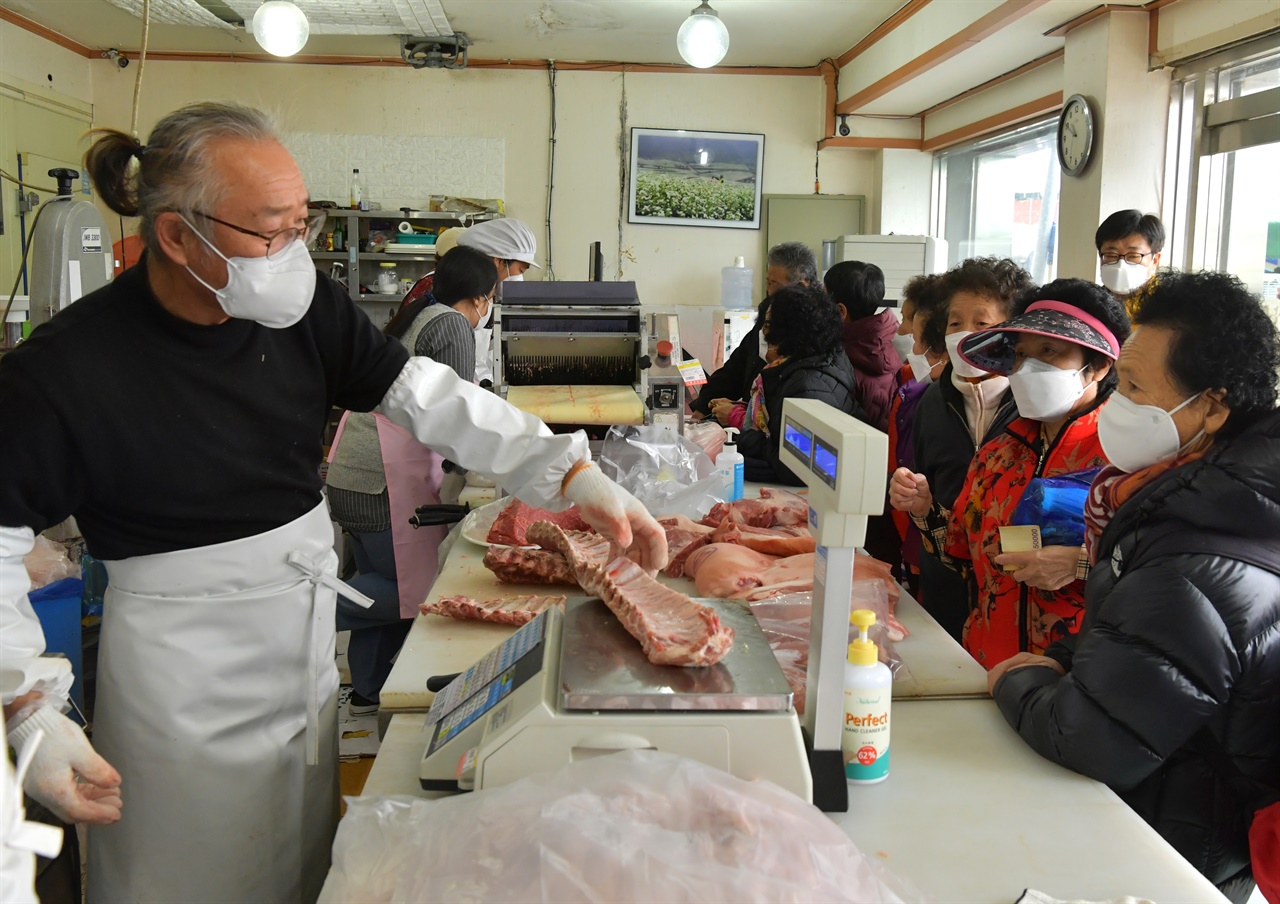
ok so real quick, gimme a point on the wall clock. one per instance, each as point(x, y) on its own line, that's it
point(1075, 135)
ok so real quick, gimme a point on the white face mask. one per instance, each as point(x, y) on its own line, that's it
point(1137, 436)
point(903, 345)
point(958, 364)
point(1044, 392)
point(764, 346)
point(921, 369)
point(515, 277)
point(1123, 277)
point(275, 293)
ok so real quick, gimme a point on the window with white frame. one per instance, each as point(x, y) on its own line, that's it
point(1222, 193)
point(998, 197)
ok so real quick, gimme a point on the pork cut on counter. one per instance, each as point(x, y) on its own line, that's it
point(523, 565)
point(727, 570)
point(515, 610)
point(672, 629)
point(774, 508)
point(513, 521)
point(684, 535)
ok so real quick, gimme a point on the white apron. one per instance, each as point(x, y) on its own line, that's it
point(217, 702)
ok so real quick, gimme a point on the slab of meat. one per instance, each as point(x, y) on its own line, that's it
point(724, 570)
point(683, 537)
point(672, 629)
point(772, 541)
point(521, 565)
point(513, 521)
point(774, 508)
point(515, 610)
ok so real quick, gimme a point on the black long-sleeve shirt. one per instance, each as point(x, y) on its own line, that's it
point(733, 380)
point(159, 434)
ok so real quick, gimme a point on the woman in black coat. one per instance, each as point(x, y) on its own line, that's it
point(1170, 693)
point(805, 360)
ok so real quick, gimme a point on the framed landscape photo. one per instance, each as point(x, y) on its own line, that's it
point(684, 178)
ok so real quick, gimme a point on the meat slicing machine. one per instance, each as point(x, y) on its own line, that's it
point(575, 685)
point(844, 463)
point(579, 355)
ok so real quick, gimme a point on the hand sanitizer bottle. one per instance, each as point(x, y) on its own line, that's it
point(730, 464)
point(868, 691)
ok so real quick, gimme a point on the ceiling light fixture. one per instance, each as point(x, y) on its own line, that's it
point(703, 40)
point(280, 28)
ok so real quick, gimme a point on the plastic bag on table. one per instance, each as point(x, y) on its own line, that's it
point(638, 825)
point(709, 436)
point(667, 472)
point(48, 562)
point(785, 621)
point(1057, 505)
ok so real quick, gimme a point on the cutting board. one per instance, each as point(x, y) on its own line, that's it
point(579, 404)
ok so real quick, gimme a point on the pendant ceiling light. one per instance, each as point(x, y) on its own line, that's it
point(280, 27)
point(703, 40)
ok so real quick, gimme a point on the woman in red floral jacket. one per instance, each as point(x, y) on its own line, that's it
point(1059, 350)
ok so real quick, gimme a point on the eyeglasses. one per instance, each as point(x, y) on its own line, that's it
point(1133, 257)
point(277, 242)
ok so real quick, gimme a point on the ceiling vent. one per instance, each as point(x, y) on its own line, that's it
point(442, 52)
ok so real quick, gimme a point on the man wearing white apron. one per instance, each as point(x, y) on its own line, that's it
point(178, 414)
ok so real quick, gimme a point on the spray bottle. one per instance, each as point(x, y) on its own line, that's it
point(868, 691)
point(730, 464)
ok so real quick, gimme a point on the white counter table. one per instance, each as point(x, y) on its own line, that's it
point(969, 812)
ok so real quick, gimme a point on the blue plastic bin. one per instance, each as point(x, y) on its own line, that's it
point(58, 608)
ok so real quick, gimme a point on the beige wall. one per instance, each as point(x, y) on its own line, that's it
point(43, 64)
point(670, 264)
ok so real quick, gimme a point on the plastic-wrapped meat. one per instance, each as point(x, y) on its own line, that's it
point(509, 527)
point(774, 508)
point(515, 610)
point(671, 628)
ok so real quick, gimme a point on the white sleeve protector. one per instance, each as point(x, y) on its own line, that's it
point(481, 432)
point(22, 667)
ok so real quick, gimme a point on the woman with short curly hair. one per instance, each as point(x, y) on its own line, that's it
point(1170, 692)
point(805, 360)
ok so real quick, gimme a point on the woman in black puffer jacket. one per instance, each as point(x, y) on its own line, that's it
point(1170, 693)
point(805, 360)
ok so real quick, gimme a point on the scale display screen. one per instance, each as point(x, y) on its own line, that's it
point(488, 682)
point(799, 441)
point(825, 462)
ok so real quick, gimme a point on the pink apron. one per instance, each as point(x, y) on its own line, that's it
point(413, 479)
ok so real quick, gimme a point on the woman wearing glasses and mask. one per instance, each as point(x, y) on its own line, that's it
point(1170, 692)
point(178, 413)
point(379, 474)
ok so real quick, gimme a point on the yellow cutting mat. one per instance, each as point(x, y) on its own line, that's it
point(579, 404)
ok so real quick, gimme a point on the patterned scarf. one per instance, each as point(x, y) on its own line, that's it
point(757, 414)
point(1112, 488)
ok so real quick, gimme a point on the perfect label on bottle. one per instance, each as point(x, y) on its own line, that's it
point(865, 740)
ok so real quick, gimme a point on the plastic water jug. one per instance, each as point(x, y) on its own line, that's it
point(735, 285)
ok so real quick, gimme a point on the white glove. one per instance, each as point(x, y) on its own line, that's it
point(617, 515)
point(451, 487)
point(64, 755)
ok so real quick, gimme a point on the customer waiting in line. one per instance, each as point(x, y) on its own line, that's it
point(379, 474)
point(857, 288)
point(790, 264)
point(921, 300)
point(805, 361)
point(1059, 349)
point(1170, 692)
point(965, 407)
point(1129, 245)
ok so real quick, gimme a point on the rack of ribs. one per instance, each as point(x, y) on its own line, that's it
point(515, 610)
point(672, 629)
point(522, 565)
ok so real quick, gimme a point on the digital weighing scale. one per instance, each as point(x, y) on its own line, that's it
point(576, 685)
point(573, 685)
point(844, 462)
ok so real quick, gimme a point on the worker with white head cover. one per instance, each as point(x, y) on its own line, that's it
point(512, 246)
point(178, 414)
